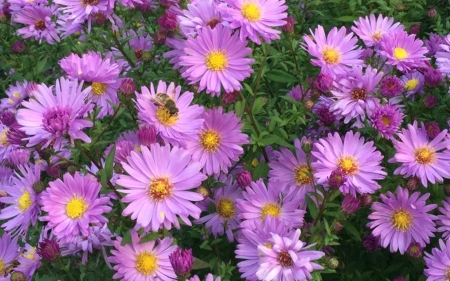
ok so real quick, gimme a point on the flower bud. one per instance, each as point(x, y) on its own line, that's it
point(18, 47)
point(432, 12)
point(332, 262)
point(309, 104)
point(365, 199)
point(127, 86)
point(337, 227)
point(230, 97)
point(371, 242)
point(415, 250)
point(324, 82)
point(289, 26)
point(53, 171)
point(18, 276)
point(203, 191)
point(350, 204)
point(413, 183)
point(168, 21)
point(7, 118)
point(48, 250)
point(159, 37)
point(99, 18)
point(414, 28)
point(336, 179)
point(432, 129)
point(244, 179)
point(307, 145)
point(39, 186)
point(399, 278)
point(182, 261)
point(430, 101)
point(433, 77)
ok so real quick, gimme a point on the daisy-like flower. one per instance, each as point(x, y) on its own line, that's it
point(29, 261)
point(334, 53)
point(209, 277)
point(434, 43)
point(259, 202)
point(387, 120)
point(444, 218)
point(172, 128)
point(197, 16)
point(140, 44)
point(287, 259)
point(421, 157)
point(256, 18)
point(9, 251)
point(158, 184)
point(292, 170)
point(438, 262)
point(55, 113)
point(15, 95)
point(219, 143)
point(72, 205)
point(371, 29)
point(355, 93)
point(443, 56)
point(358, 160)
point(403, 51)
point(413, 83)
point(39, 24)
point(143, 261)
point(216, 59)
point(402, 219)
point(79, 11)
point(22, 200)
point(225, 219)
point(102, 74)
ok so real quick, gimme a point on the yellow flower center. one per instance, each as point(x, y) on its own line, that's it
point(3, 138)
point(270, 209)
point(98, 88)
point(25, 201)
point(402, 220)
point(30, 253)
point(159, 189)
point(2, 266)
point(165, 117)
point(76, 207)
point(425, 155)
point(411, 84)
point(225, 208)
point(331, 55)
point(385, 120)
point(251, 12)
point(376, 36)
point(348, 165)
point(146, 263)
point(400, 53)
point(216, 61)
point(16, 95)
point(210, 140)
point(301, 175)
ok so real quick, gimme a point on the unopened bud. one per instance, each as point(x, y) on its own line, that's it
point(332, 262)
point(18, 276)
point(39, 186)
point(413, 183)
point(289, 26)
point(203, 191)
point(307, 145)
point(365, 199)
point(350, 204)
point(244, 179)
point(337, 227)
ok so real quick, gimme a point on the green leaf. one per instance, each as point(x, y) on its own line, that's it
point(239, 107)
point(41, 65)
point(347, 18)
point(351, 229)
point(261, 171)
point(280, 76)
point(109, 163)
point(258, 105)
point(312, 207)
point(199, 264)
point(126, 238)
point(149, 237)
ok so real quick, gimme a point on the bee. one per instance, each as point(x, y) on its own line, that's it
point(163, 100)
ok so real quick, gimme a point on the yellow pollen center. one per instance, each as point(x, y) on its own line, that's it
point(301, 175)
point(146, 263)
point(30, 253)
point(3, 138)
point(225, 209)
point(25, 201)
point(425, 155)
point(331, 55)
point(216, 61)
point(400, 53)
point(376, 36)
point(165, 117)
point(159, 189)
point(16, 95)
point(348, 165)
point(251, 12)
point(385, 120)
point(402, 220)
point(270, 209)
point(210, 140)
point(76, 207)
point(2, 266)
point(98, 88)
point(411, 84)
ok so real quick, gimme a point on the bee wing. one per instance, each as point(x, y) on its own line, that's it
point(156, 102)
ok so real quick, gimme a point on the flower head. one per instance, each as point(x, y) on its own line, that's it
point(438, 262)
point(413, 83)
point(443, 56)
point(39, 24)
point(182, 261)
point(371, 29)
point(199, 15)
point(387, 120)
point(391, 86)
point(433, 43)
point(15, 94)
point(9, 251)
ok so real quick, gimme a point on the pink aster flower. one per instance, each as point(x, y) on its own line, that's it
point(387, 120)
point(219, 142)
point(76, 11)
point(72, 205)
point(143, 261)
point(209, 277)
point(371, 29)
point(158, 185)
point(197, 16)
point(15, 95)
point(225, 219)
point(334, 53)
point(443, 56)
point(413, 83)
point(355, 93)
point(55, 113)
point(421, 156)
point(172, 128)
point(444, 218)
point(39, 24)
point(438, 262)
point(402, 219)
point(140, 44)
point(9, 252)
point(256, 18)
point(287, 259)
point(216, 59)
point(258, 202)
point(358, 160)
point(403, 51)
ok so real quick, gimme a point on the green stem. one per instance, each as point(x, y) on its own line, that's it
point(326, 197)
point(120, 48)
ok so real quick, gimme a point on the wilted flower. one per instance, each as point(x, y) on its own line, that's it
point(350, 204)
point(48, 249)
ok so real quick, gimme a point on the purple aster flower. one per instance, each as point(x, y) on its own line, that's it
point(158, 185)
point(433, 77)
point(256, 18)
point(355, 93)
point(216, 59)
point(219, 142)
point(259, 202)
point(174, 128)
point(76, 11)
point(419, 156)
point(139, 44)
point(402, 219)
point(438, 262)
point(18, 157)
point(177, 44)
point(403, 51)
point(433, 43)
point(444, 218)
point(432, 129)
point(39, 24)
point(334, 52)
point(298, 94)
point(23, 202)
point(336, 179)
point(9, 251)
point(413, 83)
point(391, 86)
point(323, 82)
point(371, 29)
point(73, 204)
point(209, 277)
point(6, 146)
point(443, 56)
point(182, 261)
point(350, 204)
point(357, 159)
point(289, 258)
point(386, 119)
point(326, 115)
point(55, 113)
point(15, 95)
point(145, 261)
point(225, 219)
point(197, 16)
point(7, 117)
point(371, 242)
point(29, 261)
